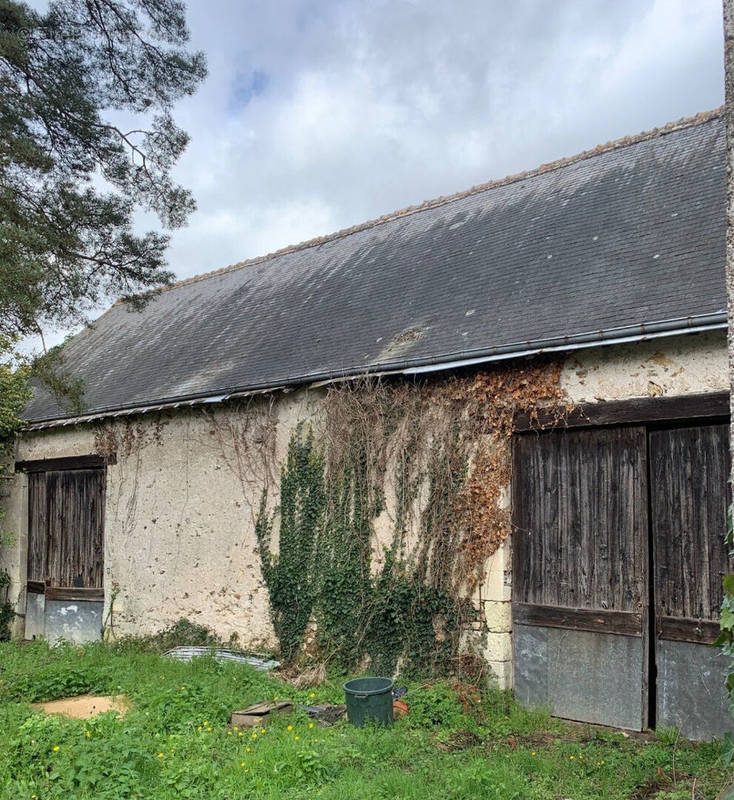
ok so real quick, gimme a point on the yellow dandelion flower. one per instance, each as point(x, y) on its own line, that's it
point(262, 730)
point(310, 724)
point(289, 728)
point(533, 753)
point(247, 749)
point(296, 738)
point(204, 722)
point(199, 729)
point(89, 733)
point(242, 764)
point(56, 748)
point(254, 736)
point(229, 733)
point(160, 755)
point(312, 694)
point(571, 758)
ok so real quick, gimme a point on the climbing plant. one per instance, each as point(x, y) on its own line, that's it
point(387, 516)
point(292, 573)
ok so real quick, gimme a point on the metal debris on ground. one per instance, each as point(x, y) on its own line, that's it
point(187, 652)
point(255, 715)
point(325, 714)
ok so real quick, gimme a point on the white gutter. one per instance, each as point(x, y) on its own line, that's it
point(468, 362)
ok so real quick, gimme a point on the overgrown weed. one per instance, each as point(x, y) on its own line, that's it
point(174, 741)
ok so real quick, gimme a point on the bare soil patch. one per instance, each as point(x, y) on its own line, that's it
point(85, 706)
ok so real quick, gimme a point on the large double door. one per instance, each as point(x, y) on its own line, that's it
point(618, 557)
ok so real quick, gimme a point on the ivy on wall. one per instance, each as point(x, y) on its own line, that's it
point(323, 573)
point(433, 459)
point(292, 575)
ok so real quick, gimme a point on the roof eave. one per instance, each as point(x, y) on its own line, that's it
point(614, 336)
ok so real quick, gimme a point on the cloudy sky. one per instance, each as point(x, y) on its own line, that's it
point(319, 114)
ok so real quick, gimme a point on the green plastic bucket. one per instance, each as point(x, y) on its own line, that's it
point(369, 698)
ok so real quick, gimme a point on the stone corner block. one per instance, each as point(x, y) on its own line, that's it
point(498, 616)
point(501, 674)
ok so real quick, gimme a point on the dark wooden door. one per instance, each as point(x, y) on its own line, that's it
point(689, 474)
point(66, 529)
point(580, 574)
point(37, 527)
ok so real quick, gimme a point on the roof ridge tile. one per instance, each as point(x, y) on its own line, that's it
point(615, 144)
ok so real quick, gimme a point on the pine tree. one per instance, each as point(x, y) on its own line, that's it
point(72, 173)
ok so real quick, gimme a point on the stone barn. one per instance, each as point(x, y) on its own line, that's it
point(488, 433)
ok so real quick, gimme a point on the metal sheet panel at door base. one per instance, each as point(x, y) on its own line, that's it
point(76, 621)
point(580, 574)
point(691, 693)
point(35, 610)
point(576, 674)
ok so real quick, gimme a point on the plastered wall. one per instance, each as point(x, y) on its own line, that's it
point(182, 497)
point(669, 366)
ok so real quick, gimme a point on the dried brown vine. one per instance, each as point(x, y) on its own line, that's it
point(447, 442)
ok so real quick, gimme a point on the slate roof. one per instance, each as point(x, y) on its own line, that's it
point(631, 234)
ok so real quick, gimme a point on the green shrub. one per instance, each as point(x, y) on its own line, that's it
point(7, 614)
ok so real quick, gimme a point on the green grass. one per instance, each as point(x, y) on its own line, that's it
point(174, 743)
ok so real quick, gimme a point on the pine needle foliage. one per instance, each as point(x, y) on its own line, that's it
point(87, 139)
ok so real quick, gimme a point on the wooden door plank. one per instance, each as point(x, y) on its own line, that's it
point(689, 497)
point(37, 525)
point(640, 411)
point(75, 502)
point(678, 629)
point(623, 623)
point(580, 524)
